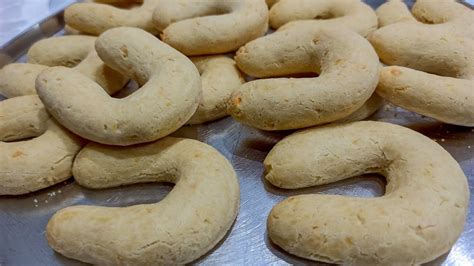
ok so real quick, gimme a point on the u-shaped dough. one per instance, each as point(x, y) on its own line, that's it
point(18, 79)
point(183, 226)
point(22, 118)
point(447, 15)
point(418, 219)
point(96, 18)
point(220, 77)
point(31, 165)
point(66, 51)
point(196, 27)
point(169, 96)
point(71, 51)
point(352, 14)
point(348, 67)
point(434, 64)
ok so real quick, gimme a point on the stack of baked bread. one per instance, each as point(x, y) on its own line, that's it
point(62, 119)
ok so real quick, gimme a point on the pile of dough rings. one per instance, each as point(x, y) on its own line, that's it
point(62, 119)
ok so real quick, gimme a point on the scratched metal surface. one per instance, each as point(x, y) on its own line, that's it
point(23, 219)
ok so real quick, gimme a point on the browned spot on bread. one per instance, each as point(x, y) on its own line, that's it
point(124, 51)
point(236, 100)
point(17, 154)
point(395, 72)
point(348, 241)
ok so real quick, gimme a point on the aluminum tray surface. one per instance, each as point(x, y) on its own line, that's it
point(23, 218)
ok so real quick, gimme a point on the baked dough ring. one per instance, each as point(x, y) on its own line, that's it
point(447, 15)
point(416, 49)
point(220, 77)
point(418, 219)
point(22, 118)
point(183, 226)
point(352, 14)
point(31, 165)
point(66, 51)
point(196, 27)
point(349, 70)
point(18, 79)
point(169, 96)
point(95, 18)
point(72, 51)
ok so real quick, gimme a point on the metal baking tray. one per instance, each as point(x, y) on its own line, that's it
point(23, 218)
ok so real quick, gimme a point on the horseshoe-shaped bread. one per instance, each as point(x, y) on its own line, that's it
point(22, 118)
point(393, 11)
point(446, 15)
point(418, 219)
point(220, 77)
point(348, 67)
point(433, 73)
point(443, 11)
point(169, 96)
point(18, 79)
point(196, 27)
point(66, 51)
point(71, 51)
point(183, 226)
point(352, 14)
point(34, 164)
point(95, 18)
